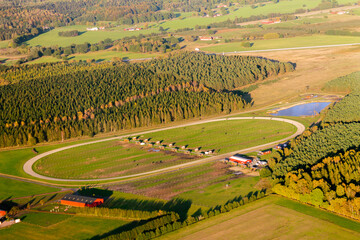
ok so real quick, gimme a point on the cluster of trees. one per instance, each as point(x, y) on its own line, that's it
point(218, 72)
point(119, 213)
point(332, 184)
point(322, 165)
point(314, 145)
point(345, 111)
point(72, 33)
point(148, 44)
point(155, 227)
point(64, 52)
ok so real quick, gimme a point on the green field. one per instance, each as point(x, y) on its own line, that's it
point(115, 158)
point(218, 193)
point(225, 136)
point(106, 159)
point(247, 11)
point(4, 44)
point(44, 219)
point(10, 188)
point(270, 218)
point(306, 41)
point(52, 38)
point(73, 227)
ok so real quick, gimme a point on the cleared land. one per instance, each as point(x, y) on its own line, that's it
point(266, 219)
point(314, 67)
point(108, 159)
point(306, 41)
point(10, 188)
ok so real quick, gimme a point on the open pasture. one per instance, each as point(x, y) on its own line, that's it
point(269, 218)
point(303, 41)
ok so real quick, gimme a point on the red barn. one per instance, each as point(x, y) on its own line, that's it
point(240, 159)
point(2, 213)
point(81, 201)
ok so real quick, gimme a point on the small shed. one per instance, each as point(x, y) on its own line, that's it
point(81, 201)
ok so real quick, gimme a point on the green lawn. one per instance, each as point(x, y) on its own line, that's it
point(71, 228)
point(225, 136)
point(10, 188)
point(45, 59)
point(305, 41)
point(266, 219)
point(108, 55)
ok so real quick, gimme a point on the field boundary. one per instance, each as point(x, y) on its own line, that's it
point(28, 166)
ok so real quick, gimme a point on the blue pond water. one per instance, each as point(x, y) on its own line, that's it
point(306, 109)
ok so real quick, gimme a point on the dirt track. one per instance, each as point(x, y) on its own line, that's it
point(29, 164)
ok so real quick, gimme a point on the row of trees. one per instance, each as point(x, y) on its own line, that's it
point(148, 44)
point(152, 229)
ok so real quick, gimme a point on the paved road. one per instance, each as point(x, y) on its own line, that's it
point(28, 166)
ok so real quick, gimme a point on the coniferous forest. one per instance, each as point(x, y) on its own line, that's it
point(321, 167)
point(59, 101)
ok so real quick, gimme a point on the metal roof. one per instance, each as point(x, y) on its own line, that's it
point(78, 198)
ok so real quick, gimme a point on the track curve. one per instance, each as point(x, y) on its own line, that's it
point(28, 166)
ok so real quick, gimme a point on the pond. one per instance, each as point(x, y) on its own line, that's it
point(306, 109)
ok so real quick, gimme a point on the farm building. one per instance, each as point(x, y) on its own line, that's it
point(2, 213)
point(240, 159)
point(81, 201)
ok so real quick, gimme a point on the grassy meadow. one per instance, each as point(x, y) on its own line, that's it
point(21, 189)
point(303, 41)
point(270, 218)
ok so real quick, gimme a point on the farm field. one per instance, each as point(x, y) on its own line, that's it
point(115, 158)
point(52, 226)
point(303, 41)
point(204, 185)
point(270, 218)
point(52, 38)
point(247, 11)
point(21, 189)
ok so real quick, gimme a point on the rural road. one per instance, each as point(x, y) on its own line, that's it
point(28, 166)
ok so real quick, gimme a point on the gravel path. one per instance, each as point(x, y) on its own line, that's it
point(28, 166)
